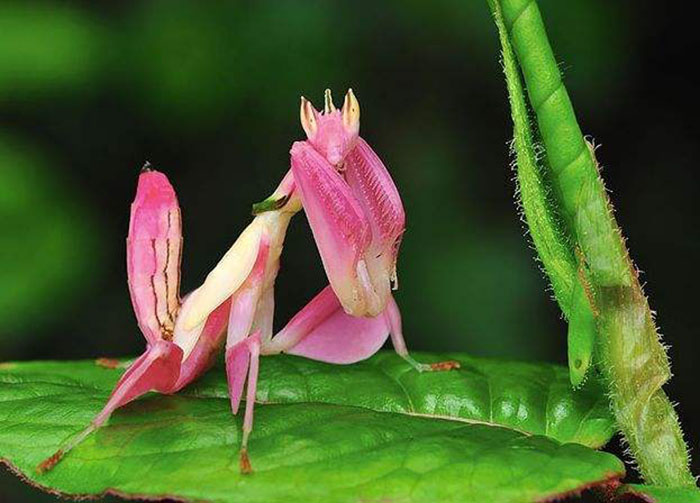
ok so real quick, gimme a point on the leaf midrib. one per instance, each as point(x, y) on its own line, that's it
point(411, 412)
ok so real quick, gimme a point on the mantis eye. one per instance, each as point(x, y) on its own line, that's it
point(351, 113)
point(307, 114)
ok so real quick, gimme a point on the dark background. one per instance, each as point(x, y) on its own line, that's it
point(208, 92)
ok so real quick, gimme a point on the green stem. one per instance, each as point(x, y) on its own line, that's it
point(547, 230)
point(577, 184)
point(629, 353)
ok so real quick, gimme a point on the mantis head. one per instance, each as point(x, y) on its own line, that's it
point(332, 133)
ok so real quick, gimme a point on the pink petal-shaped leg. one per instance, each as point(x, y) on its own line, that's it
point(265, 315)
point(242, 351)
point(156, 370)
point(393, 319)
point(254, 349)
point(237, 358)
point(244, 303)
point(241, 359)
point(323, 331)
point(208, 342)
point(303, 323)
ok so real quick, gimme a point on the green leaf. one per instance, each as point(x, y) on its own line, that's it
point(657, 494)
point(372, 431)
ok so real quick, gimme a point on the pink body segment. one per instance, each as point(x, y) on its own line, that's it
point(153, 253)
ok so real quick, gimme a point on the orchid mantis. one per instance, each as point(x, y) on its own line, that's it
point(357, 220)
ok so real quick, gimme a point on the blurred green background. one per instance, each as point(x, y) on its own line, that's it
point(208, 92)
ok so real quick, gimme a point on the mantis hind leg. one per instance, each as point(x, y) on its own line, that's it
point(393, 319)
point(156, 370)
point(242, 359)
point(323, 331)
point(243, 350)
point(254, 350)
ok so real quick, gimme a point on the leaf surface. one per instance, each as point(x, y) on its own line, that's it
point(373, 431)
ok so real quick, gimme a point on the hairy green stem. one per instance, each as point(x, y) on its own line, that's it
point(629, 353)
point(547, 230)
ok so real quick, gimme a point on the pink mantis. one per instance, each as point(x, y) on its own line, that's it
point(357, 220)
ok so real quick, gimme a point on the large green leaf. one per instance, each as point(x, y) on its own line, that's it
point(371, 431)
